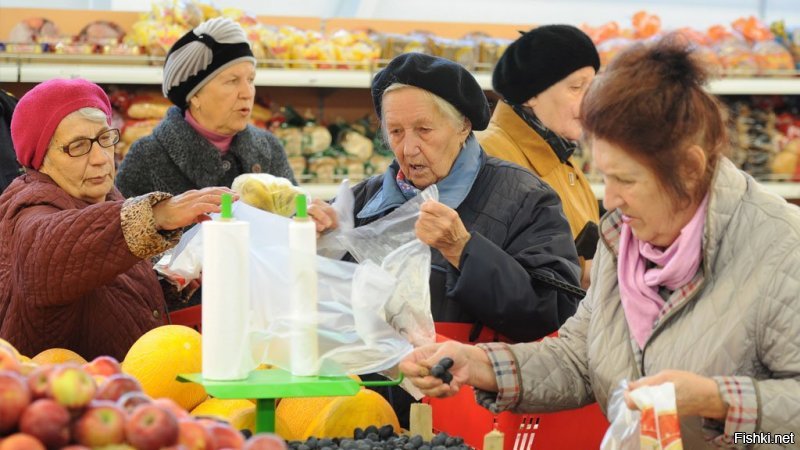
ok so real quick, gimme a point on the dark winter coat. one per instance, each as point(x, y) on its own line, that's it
point(175, 159)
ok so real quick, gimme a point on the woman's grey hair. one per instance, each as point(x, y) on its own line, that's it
point(445, 107)
point(91, 114)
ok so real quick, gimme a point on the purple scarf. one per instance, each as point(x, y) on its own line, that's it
point(675, 266)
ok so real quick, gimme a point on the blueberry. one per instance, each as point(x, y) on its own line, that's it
point(458, 440)
point(447, 377)
point(416, 441)
point(385, 432)
point(425, 447)
point(325, 448)
point(364, 446)
point(326, 442)
point(409, 446)
point(446, 362)
point(438, 440)
point(311, 442)
point(303, 447)
point(403, 439)
point(359, 434)
point(294, 444)
point(371, 429)
point(439, 447)
point(437, 371)
point(373, 437)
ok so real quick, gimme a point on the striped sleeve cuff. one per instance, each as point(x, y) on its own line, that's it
point(741, 396)
point(509, 381)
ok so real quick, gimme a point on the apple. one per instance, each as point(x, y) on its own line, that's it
point(194, 436)
point(103, 365)
point(14, 398)
point(39, 381)
point(21, 441)
point(71, 386)
point(226, 436)
point(48, 421)
point(151, 427)
point(103, 423)
point(8, 360)
point(171, 406)
point(116, 385)
point(76, 447)
point(265, 441)
point(128, 402)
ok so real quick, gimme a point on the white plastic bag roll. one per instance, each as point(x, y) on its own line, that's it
point(303, 269)
point(226, 298)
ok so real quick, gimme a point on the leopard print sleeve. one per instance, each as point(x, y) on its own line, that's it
point(139, 226)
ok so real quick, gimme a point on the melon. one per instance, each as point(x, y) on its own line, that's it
point(159, 356)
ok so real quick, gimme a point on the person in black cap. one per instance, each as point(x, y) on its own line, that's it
point(542, 78)
point(206, 139)
point(495, 224)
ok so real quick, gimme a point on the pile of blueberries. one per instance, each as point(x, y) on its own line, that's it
point(383, 438)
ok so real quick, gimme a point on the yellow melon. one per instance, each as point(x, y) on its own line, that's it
point(241, 414)
point(5, 343)
point(294, 415)
point(343, 415)
point(159, 356)
point(58, 356)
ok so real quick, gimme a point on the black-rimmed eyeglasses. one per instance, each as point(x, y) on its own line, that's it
point(82, 146)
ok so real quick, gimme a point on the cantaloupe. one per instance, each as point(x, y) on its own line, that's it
point(241, 414)
point(159, 356)
point(344, 414)
point(58, 356)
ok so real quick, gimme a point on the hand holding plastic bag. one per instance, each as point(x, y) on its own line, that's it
point(653, 426)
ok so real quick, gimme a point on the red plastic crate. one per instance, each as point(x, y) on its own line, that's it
point(460, 415)
point(192, 317)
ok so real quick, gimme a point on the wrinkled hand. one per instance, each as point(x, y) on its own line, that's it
point(323, 215)
point(440, 227)
point(416, 367)
point(188, 208)
point(695, 395)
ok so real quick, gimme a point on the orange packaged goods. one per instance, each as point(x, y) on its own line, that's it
point(610, 48)
point(646, 25)
point(737, 57)
point(660, 427)
point(773, 58)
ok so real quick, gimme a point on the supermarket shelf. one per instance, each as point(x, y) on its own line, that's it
point(9, 73)
point(786, 190)
point(37, 71)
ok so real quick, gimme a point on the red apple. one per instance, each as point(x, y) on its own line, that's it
point(103, 365)
point(8, 360)
point(171, 406)
point(76, 447)
point(194, 436)
point(226, 436)
point(265, 441)
point(71, 386)
point(128, 402)
point(39, 380)
point(21, 441)
point(116, 385)
point(151, 427)
point(48, 421)
point(14, 398)
point(103, 423)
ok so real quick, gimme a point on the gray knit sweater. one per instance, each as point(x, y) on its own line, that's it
point(175, 159)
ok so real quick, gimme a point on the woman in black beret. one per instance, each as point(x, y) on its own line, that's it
point(494, 224)
point(542, 78)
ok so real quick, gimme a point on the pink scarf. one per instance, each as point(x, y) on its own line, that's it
point(221, 141)
point(675, 266)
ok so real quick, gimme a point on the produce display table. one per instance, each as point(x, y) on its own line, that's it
point(267, 385)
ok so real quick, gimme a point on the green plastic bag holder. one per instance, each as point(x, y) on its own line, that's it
point(267, 385)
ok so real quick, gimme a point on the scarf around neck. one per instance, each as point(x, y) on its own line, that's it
point(640, 281)
point(563, 148)
point(221, 141)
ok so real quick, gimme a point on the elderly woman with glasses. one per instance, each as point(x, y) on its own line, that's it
point(74, 255)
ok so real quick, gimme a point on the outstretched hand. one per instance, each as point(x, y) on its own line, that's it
point(695, 395)
point(188, 208)
point(471, 366)
point(323, 215)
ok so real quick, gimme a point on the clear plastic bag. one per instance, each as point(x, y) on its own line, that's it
point(653, 426)
point(355, 335)
point(391, 243)
point(267, 192)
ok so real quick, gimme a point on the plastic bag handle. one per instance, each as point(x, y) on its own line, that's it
point(390, 382)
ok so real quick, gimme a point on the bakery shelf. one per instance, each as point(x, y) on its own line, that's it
point(147, 70)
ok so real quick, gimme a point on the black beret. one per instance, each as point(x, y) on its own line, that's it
point(541, 58)
point(440, 76)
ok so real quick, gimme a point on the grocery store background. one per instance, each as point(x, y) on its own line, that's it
point(673, 13)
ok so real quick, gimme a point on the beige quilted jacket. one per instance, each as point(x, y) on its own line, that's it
point(744, 320)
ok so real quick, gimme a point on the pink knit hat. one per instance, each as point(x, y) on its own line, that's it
point(41, 109)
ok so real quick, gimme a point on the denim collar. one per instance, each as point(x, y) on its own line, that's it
point(453, 189)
